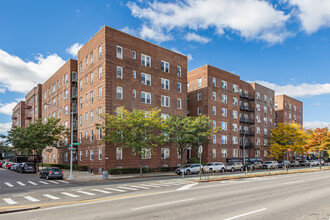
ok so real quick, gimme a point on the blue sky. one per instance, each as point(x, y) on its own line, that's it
point(284, 44)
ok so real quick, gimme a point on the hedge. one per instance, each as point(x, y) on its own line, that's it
point(137, 170)
point(65, 166)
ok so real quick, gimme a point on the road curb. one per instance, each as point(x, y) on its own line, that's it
point(18, 210)
point(260, 175)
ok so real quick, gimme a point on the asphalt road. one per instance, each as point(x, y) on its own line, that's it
point(291, 196)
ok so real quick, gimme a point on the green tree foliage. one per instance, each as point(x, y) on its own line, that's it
point(185, 132)
point(36, 137)
point(288, 136)
point(138, 130)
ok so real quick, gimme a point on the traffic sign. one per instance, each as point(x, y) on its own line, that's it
point(289, 149)
point(72, 148)
point(74, 144)
point(200, 149)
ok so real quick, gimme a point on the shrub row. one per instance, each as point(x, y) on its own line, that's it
point(137, 170)
point(65, 166)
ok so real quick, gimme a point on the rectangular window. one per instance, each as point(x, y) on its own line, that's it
point(214, 124)
point(146, 79)
point(92, 96)
point(235, 88)
point(214, 110)
point(66, 78)
point(91, 154)
point(100, 72)
point(235, 115)
point(134, 93)
point(214, 82)
point(214, 139)
point(199, 82)
point(119, 92)
point(134, 74)
point(80, 102)
point(165, 101)
point(214, 96)
point(146, 154)
point(165, 83)
point(224, 153)
point(235, 153)
point(214, 153)
point(92, 116)
point(146, 97)
point(134, 55)
point(92, 77)
point(119, 153)
point(92, 58)
point(100, 133)
point(119, 72)
point(165, 66)
point(224, 126)
point(100, 51)
point(80, 67)
point(178, 70)
point(235, 101)
point(100, 112)
point(80, 84)
point(235, 127)
point(165, 153)
point(224, 85)
point(224, 112)
point(119, 52)
point(179, 103)
point(92, 135)
point(199, 110)
point(100, 153)
point(235, 140)
point(66, 94)
point(145, 60)
point(80, 120)
point(224, 139)
point(80, 155)
point(178, 87)
point(100, 92)
point(199, 96)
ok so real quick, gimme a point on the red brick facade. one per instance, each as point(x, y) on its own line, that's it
point(288, 109)
point(18, 116)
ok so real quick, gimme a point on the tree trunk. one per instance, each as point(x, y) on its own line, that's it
point(37, 170)
point(320, 160)
point(181, 159)
point(140, 165)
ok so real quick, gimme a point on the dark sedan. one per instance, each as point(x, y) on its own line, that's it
point(26, 168)
point(51, 173)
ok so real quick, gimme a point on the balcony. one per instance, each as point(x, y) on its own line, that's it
point(28, 117)
point(74, 108)
point(74, 125)
point(14, 118)
point(247, 133)
point(27, 106)
point(248, 97)
point(74, 93)
point(74, 77)
point(247, 145)
point(246, 108)
point(246, 120)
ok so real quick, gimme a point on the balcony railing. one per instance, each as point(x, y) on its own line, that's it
point(246, 108)
point(245, 120)
point(74, 77)
point(249, 97)
point(74, 93)
point(74, 108)
point(74, 125)
point(27, 106)
point(28, 117)
point(248, 133)
point(247, 145)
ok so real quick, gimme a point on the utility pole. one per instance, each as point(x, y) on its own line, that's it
point(287, 160)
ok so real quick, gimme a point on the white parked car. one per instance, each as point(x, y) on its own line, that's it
point(215, 167)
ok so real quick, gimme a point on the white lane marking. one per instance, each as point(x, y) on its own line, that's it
point(154, 186)
point(62, 181)
point(31, 199)
point(248, 213)
point(33, 183)
point(70, 194)
point(86, 193)
point(50, 196)
point(53, 181)
point(8, 184)
point(118, 190)
point(122, 187)
point(43, 182)
point(187, 186)
point(162, 204)
point(20, 183)
point(293, 182)
point(140, 187)
point(101, 191)
point(10, 201)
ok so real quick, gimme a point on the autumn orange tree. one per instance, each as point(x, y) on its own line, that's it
point(319, 141)
point(288, 136)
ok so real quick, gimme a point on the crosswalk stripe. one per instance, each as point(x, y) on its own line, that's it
point(50, 196)
point(33, 183)
point(31, 199)
point(62, 181)
point(140, 187)
point(20, 183)
point(70, 194)
point(10, 201)
point(102, 191)
point(118, 190)
point(86, 193)
point(8, 184)
point(153, 186)
point(122, 187)
point(43, 182)
point(53, 181)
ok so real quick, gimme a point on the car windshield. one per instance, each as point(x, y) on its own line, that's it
point(209, 164)
point(185, 166)
point(268, 162)
point(230, 164)
point(56, 170)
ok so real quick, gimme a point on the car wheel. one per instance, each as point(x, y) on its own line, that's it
point(188, 172)
point(210, 170)
point(242, 168)
point(222, 169)
point(47, 177)
point(232, 169)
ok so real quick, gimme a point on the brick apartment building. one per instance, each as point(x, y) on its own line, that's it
point(288, 109)
point(60, 91)
point(119, 70)
point(33, 105)
point(244, 111)
point(18, 116)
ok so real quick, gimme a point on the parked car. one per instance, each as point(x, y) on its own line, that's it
point(304, 163)
point(26, 168)
point(8, 165)
point(322, 162)
point(295, 163)
point(4, 165)
point(14, 166)
point(270, 165)
point(215, 167)
point(253, 165)
point(314, 163)
point(283, 164)
point(234, 166)
point(51, 173)
point(189, 169)
point(1, 163)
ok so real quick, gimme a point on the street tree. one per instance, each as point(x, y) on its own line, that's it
point(4, 148)
point(288, 136)
point(185, 132)
point(139, 130)
point(318, 142)
point(36, 137)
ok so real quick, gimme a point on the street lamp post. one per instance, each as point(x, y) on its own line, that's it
point(71, 148)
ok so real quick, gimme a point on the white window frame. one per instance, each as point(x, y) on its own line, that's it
point(146, 79)
point(165, 101)
point(119, 54)
point(146, 98)
point(165, 83)
point(119, 92)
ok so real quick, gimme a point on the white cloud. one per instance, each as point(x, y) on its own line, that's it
point(7, 108)
point(189, 56)
point(153, 34)
point(313, 14)
point(18, 75)
point(250, 19)
point(197, 38)
point(73, 50)
point(5, 127)
point(302, 90)
point(129, 30)
point(316, 124)
point(2, 90)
